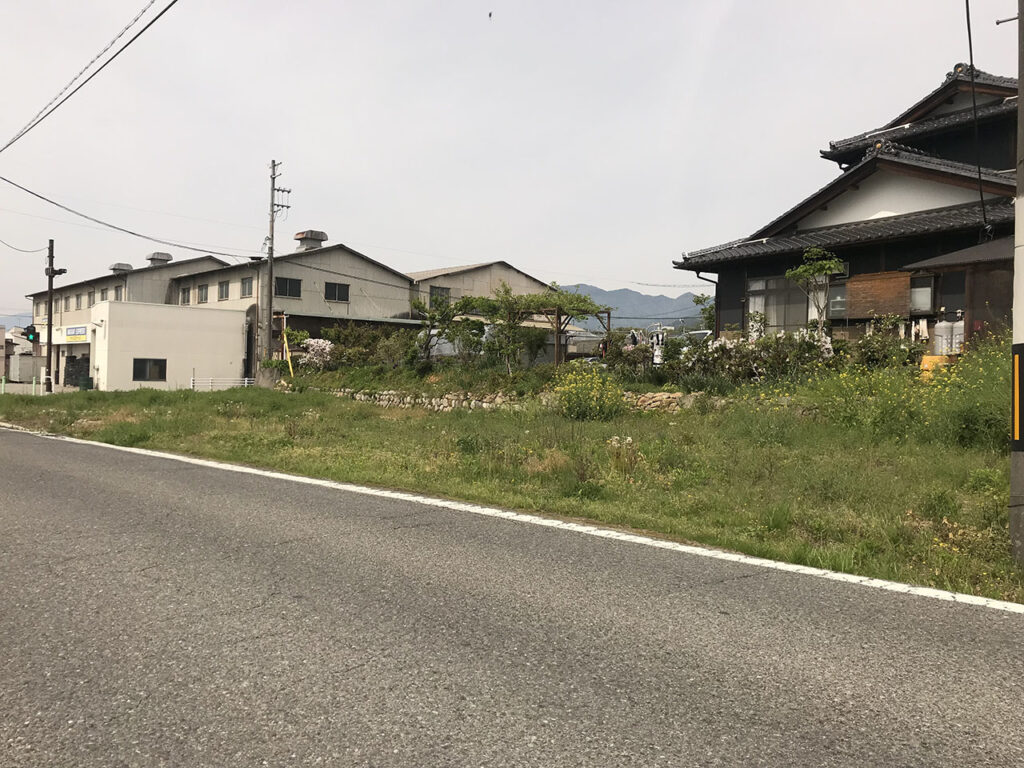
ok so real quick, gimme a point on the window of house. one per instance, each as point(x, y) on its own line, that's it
point(782, 303)
point(39, 309)
point(288, 287)
point(202, 294)
point(837, 301)
point(222, 290)
point(336, 291)
point(67, 303)
point(149, 369)
point(186, 296)
point(103, 294)
point(440, 297)
point(92, 298)
point(78, 301)
point(118, 292)
point(246, 291)
point(921, 294)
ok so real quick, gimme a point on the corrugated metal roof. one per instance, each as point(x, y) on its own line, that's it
point(1000, 249)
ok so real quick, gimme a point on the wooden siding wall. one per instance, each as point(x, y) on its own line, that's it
point(881, 293)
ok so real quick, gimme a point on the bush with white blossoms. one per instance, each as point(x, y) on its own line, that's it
point(317, 354)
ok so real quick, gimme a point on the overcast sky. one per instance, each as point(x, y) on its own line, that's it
point(581, 140)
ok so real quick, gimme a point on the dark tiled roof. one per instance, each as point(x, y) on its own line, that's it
point(958, 76)
point(1000, 249)
point(936, 220)
point(888, 152)
point(936, 124)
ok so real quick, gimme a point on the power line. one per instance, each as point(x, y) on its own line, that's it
point(49, 110)
point(123, 230)
point(22, 250)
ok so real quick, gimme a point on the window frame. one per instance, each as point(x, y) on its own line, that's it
point(91, 298)
point(437, 292)
point(185, 297)
point(203, 293)
point(246, 293)
point(336, 286)
point(118, 293)
point(147, 364)
point(788, 289)
point(104, 292)
point(78, 301)
point(67, 303)
point(930, 287)
point(223, 290)
point(289, 283)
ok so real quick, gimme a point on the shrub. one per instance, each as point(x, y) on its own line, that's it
point(317, 355)
point(584, 393)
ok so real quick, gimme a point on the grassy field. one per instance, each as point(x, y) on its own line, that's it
point(769, 476)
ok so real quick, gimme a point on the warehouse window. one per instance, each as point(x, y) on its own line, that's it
point(92, 298)
point(103, 294)
point(149, 369)
point(186, 296)
point(78, 301)
point(67, 303)
point(222, 290)
point(336, 291)
point(202, 294)
point(246, 287)
point(288, 287)
point(118, 292)
point(440, 297)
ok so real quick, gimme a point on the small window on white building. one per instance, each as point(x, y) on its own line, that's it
point(78, 301)
point(223, 287)
point(67, 303)
point(921, 295)
point(118, 292)
point(92, 298)
point(246, 287)
point(103, 294)
point(202, 294)
point(149, 369)
point(186, 296)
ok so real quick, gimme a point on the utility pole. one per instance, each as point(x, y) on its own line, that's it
point(275, 207)
point(50, 274)
point(1017, 449)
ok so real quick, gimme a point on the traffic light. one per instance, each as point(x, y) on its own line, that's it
point(30, 333)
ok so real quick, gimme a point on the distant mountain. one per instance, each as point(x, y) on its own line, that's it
point(632, 309)
point(10, 321)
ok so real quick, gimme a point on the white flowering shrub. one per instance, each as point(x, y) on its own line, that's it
point(317, 354)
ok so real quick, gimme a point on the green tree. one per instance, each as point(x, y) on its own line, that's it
point(437, 320)
point(813, 278)
point(706, 305)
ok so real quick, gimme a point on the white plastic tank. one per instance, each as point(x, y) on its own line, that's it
point(943, 335)
point(958, 333)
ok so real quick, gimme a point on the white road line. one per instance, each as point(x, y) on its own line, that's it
point(589, 530)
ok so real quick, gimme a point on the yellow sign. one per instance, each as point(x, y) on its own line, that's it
point(75, 333)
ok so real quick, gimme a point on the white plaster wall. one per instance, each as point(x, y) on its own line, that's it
point(210, 342)
point(887, 194)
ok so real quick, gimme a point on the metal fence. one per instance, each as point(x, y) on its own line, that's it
point(212, 384)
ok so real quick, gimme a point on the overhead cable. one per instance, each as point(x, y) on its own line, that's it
point(116, 228)
point(23, 250)
point(49, 110)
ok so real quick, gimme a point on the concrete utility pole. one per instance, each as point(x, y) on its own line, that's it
point(50, 274)
point(1017, 451)
point(275, 206)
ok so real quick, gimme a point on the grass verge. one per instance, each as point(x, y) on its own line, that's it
point(767, 481)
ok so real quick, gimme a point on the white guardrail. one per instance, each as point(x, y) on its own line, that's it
point(211, 384)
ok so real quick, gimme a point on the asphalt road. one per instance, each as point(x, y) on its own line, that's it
point(154, 612)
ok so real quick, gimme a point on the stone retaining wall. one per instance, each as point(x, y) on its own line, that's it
point(648, 401)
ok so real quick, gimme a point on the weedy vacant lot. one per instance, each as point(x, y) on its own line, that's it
point(807, 475)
